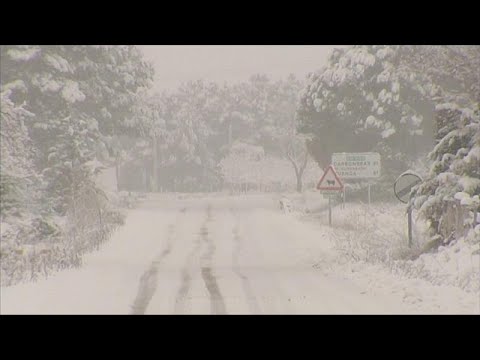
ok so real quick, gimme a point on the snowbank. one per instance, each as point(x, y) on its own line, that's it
point(377, 235)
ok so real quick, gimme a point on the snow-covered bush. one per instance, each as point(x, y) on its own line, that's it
point(33, 245)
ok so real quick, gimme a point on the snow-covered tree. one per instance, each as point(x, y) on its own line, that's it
point(454, 175)
point(16, 153)
point(455, 172)
point(297, 154)
point(200, 122)
point(384, 98)
point(191, 141)
point(60, 104)
point(93, 87)
point(367, 99)
point(266, 118)
point(70, 160)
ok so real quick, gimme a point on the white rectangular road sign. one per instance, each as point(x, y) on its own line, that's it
point(357, 165)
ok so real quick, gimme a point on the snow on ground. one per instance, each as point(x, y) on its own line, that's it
point(108, 280)
point(242, 255)
point(288, 249)
point(419, 296)
point(202, 254)
point(372, 249)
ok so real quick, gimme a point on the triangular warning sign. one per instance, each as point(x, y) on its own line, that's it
point(330, 180)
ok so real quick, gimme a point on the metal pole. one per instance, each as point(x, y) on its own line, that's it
point(329, 211)
point(410, 237)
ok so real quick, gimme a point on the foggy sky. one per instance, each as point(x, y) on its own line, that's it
point(175, 64)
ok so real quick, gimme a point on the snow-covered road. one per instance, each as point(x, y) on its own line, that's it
point(215, 255)
point(227, 257)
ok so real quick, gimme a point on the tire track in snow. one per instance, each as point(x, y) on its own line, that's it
point(181, 297)
point(217, 304)
point(182, 292)
point(251, 300)
point(148, 281)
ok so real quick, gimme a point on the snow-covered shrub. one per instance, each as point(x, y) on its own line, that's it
point(33, 246)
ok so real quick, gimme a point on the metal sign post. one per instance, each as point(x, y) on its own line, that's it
point(410, 237)
point(329, 211)
point(403, 188)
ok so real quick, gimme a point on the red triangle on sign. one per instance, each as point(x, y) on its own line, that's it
point(330, 180)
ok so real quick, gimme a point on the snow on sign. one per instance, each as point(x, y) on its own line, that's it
point(330, 181)
point(357, 165)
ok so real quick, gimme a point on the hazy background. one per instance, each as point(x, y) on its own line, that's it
point(175, 64)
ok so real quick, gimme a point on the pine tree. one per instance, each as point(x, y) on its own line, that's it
point(60, 104)
point(455, 171)
point(17, 170)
